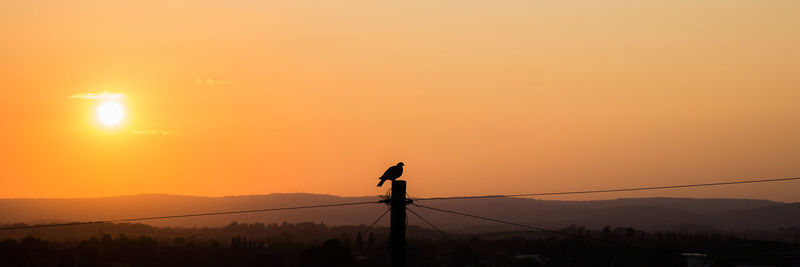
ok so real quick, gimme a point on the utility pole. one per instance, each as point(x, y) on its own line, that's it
point(397, 236)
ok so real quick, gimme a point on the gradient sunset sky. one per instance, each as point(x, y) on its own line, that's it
point(476, 97)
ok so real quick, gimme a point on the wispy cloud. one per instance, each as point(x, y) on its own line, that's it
point(98, 96)
point(153, 132)
point(212, 82)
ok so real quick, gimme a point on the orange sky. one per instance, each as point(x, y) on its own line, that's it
point(476, 97)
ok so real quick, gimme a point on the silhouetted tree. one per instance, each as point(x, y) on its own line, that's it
point(371, 241)
point(359, 241)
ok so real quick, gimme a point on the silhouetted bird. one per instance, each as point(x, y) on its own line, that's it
point(392, 173)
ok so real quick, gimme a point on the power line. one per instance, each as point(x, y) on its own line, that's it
point(429, 223)
point(515, 224)
point(432, 226)
point(377, 220)
point(542, 229)
point(190, 215)
point(418, 199)
point(615, 190)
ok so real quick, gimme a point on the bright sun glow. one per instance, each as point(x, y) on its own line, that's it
point(110, 113)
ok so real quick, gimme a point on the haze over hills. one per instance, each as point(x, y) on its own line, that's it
point(642, 213)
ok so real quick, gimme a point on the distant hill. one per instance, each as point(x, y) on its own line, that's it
point(642, 213)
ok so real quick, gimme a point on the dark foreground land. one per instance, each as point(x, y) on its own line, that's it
point(310, 244)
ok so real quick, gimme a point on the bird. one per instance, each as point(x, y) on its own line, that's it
point(392, 173)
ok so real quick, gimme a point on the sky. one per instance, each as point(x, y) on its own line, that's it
point(475, 97)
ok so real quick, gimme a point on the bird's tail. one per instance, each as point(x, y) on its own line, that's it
point(381, 182)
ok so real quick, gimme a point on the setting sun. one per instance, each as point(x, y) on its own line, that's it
point(110, 113)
